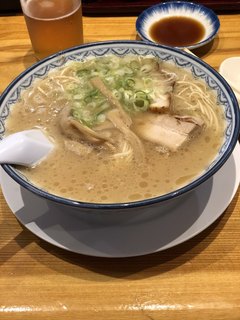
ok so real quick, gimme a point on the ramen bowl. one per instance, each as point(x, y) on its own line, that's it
point(199, 69)
point(187, 25)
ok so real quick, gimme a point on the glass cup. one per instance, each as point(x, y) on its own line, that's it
point(53, 25)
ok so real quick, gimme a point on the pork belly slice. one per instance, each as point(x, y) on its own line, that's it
point(164, 129)
point(191, 119)
point(162, 104)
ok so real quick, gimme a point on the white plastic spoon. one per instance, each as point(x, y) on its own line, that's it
point(26, 148)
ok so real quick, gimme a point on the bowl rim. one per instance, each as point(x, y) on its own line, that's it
point(213, 16)
point(140, 203)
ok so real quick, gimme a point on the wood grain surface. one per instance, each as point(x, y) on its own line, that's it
point(199, 279)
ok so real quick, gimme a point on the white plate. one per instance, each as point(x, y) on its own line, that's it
point(228, 69)
point(118, 235)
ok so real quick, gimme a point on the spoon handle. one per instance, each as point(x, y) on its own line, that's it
point(24, 148)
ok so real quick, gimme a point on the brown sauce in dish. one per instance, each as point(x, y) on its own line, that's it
point(177, 31)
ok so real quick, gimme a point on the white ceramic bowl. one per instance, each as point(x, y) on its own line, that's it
point(205, 16)
point(197, 67)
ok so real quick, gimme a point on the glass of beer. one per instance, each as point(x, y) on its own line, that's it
point(53, 25)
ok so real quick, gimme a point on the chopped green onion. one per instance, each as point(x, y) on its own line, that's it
point(134, 64)
point(82, 72)
point(130, 79)
point(129, 83)
point(141, 105)
point(117, 94)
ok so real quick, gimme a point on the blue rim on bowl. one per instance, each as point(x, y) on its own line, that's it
point(196, 66)
point(199, 12)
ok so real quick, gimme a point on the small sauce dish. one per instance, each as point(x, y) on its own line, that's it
point(178, 24)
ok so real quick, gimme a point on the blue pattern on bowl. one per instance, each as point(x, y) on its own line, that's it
point(178, 8)
point(197, 67)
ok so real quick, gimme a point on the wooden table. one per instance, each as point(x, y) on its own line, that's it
point(199, 279)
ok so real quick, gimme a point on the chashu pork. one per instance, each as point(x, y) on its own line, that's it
point(164, 129)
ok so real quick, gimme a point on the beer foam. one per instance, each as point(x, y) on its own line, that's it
point(50, 9)
point(46, 4)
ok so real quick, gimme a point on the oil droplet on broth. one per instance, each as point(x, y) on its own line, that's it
point(143, 184)
point(144, 175)
point(135, 196)
point(207, 139)
point(148, 195)
point(183, 179)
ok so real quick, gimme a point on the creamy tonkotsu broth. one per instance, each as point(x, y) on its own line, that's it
point(125, 128)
